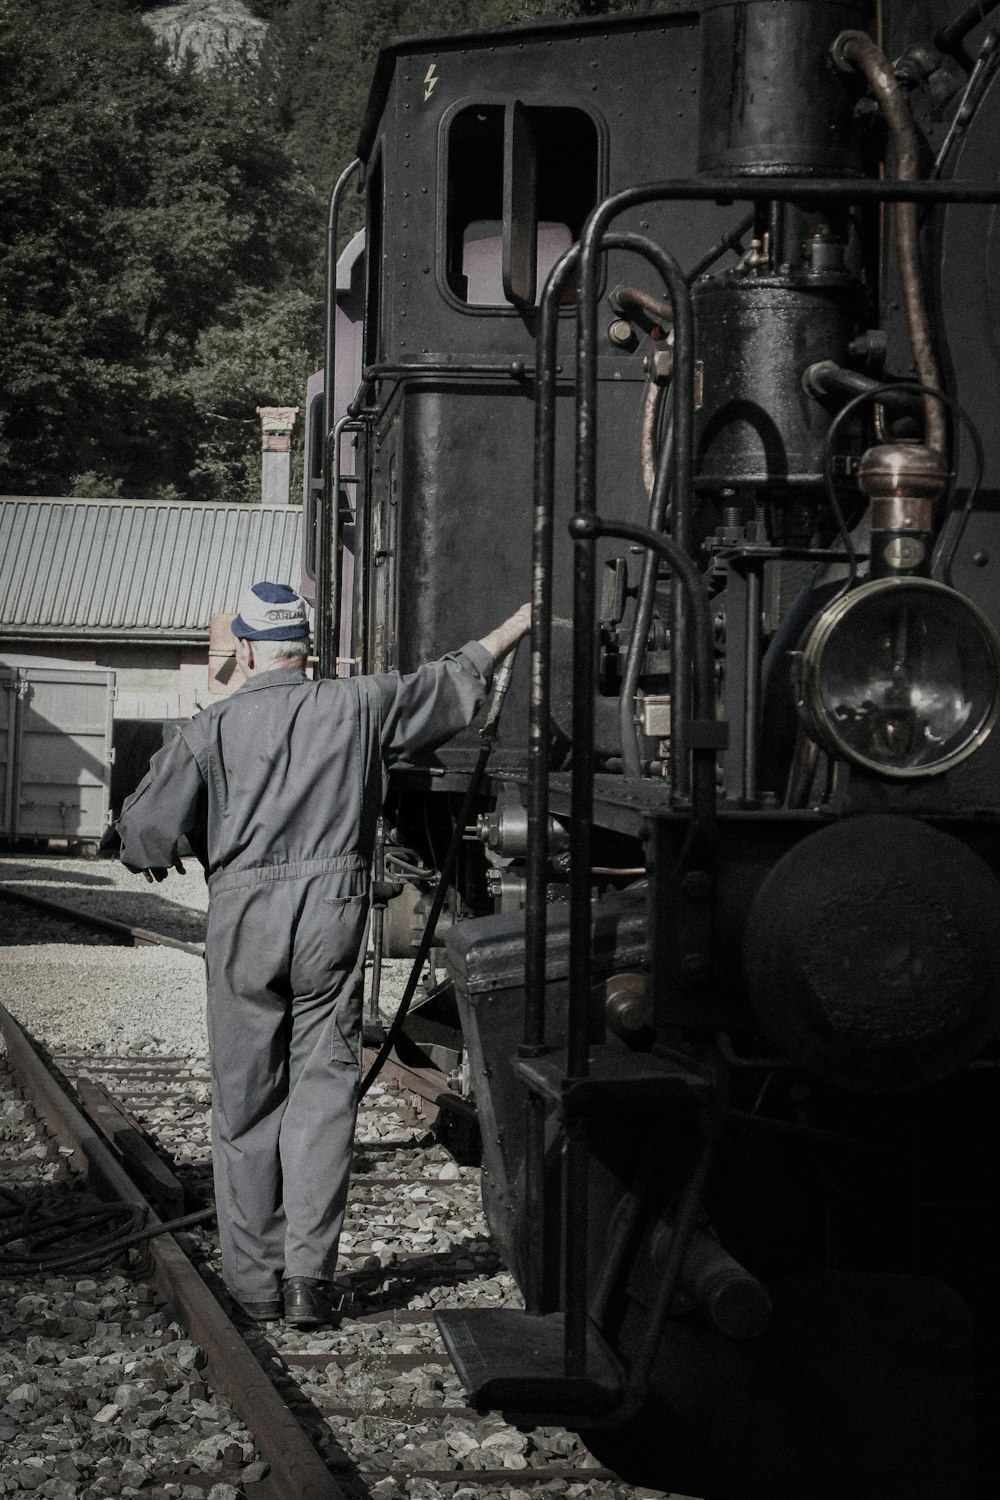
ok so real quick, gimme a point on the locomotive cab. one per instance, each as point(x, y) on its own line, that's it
point(481, 156)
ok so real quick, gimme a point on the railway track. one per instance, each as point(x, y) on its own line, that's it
point(370, 1409)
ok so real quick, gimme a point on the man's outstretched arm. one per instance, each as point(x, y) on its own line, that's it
point(506, 636)
point(428, 706)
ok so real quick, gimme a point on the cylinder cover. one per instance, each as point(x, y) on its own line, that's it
point(871, 955)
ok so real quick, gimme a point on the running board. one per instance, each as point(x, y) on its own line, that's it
point(514, 1361)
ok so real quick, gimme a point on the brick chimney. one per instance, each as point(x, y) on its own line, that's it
point(276, 424)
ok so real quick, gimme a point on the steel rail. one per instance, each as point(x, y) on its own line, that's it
point(138, 936)
point(296, 1468)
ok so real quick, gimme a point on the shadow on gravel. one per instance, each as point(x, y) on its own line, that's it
point(278, 1364)
point(395, 1285)
point(11, 870)
point(132, 908)
point(290, 1385)
point(24, 926)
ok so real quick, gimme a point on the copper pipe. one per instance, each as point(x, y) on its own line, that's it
point(855, 49)
point(655, 308)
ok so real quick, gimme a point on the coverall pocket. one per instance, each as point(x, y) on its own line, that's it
point(344, 921)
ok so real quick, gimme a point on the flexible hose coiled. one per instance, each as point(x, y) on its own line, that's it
point(40, 1235)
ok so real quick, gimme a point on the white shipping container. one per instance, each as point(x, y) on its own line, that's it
point(55, 750)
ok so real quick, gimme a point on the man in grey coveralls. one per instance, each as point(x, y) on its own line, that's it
point(277, 789)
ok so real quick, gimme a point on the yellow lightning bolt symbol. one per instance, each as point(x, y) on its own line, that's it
point(430, 79)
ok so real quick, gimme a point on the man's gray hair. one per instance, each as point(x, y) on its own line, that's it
point(269, 654)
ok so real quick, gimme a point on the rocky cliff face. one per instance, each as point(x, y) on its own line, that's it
point(211, 30)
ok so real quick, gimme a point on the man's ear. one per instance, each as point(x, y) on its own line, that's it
point(244, 654)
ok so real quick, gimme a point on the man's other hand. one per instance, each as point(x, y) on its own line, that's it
point(161, 873)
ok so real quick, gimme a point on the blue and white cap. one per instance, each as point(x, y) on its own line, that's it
point(271, 612)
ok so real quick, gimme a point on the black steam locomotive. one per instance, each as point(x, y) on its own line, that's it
point(687, 321)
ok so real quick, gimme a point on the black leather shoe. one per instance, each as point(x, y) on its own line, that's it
point(261, 1312)
point(310, 1302)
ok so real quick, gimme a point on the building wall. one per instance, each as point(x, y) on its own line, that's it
point(154, 681)
point(158, 682)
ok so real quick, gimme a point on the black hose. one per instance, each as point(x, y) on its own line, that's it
point(28, 1236)
point(487, 735)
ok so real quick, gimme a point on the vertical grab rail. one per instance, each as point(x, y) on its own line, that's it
point(536, 925)
point(579, 1029)
point(584, 536)
point(333, 563)
point(327, 572)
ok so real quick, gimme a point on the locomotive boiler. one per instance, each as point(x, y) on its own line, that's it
point(686, 322)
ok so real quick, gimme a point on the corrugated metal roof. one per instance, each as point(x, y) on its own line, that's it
point(127, 568)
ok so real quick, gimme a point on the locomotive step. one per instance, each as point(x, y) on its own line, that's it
point(617, 1079)
point(514, 1362)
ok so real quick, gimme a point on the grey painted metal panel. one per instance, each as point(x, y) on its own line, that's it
point(8, 708)
point(61, 738)
point(127, 567)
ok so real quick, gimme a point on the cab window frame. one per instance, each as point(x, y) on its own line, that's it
point(449, 223)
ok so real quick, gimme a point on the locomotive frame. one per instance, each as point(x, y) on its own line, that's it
point(731, 1024)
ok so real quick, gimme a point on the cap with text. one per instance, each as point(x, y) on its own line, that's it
point(271, 612)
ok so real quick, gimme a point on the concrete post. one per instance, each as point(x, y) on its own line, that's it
point(276, 453)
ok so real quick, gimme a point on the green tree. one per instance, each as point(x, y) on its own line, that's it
point(260, 354)
point(162, 231)
point(138, 207)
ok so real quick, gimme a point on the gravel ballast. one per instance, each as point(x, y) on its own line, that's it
point(100, 1393)
point(93, 992)
point(107, 999)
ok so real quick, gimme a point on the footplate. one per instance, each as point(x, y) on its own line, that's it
point(514, 1361)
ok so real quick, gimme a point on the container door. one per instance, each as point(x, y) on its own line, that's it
point(8, 707)
point(64, 752)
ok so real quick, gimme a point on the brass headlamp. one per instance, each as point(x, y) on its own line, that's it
point(901, 676)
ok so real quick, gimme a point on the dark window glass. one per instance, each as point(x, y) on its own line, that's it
point(565, 173)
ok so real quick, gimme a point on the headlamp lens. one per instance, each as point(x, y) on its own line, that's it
point(902, 676)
